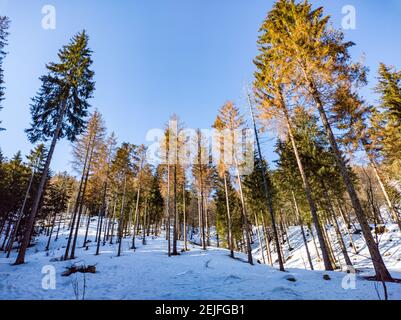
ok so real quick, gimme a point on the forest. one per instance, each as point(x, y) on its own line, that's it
point(337, 176)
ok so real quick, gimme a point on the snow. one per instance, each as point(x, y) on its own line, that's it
point(148, 273)
point(389, 243)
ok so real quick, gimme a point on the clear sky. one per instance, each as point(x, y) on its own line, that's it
point(156, 57)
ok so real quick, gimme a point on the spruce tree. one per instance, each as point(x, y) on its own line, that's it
point(59, 110)
point(231, 124)
point(4, 26)
point(317, 61)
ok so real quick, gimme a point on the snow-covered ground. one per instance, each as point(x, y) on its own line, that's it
point(389, 243)
point(148, 273)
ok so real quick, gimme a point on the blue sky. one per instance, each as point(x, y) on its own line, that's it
point(153, 58)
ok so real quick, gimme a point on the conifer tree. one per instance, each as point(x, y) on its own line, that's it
point(4, 26)
point(59, 110)
point(231, 123)
point(274, 91)
point(36, 161)
point(317, 60)
point(93, 138)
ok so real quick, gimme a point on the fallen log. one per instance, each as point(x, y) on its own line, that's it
point(81, 269)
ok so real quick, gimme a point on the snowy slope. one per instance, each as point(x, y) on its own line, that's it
point(390, 248)
point(148, 273)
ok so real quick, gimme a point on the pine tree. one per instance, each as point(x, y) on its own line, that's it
point(124, 168)
point(4, 26)
point(387, 120)
point(36, 160)
point(317, 60)
point(59, 110)
point(261, 167)
point(274, 92)
point(56, 199)
point(231, 124)
point(87, 149)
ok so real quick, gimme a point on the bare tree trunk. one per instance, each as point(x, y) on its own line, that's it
point(35, 206)
point(77, 204)
point(102, 215)
point(185, 217)
point(206, 209)
point(267, 241)
point(87, 230)
point(267, 192)
point(168, 210)
point(347, 230)
point(202, 213)
point(144, 224)
point(382, 186)
point(308, 193)
point(51, 232)
point(113, 221)
point(300, 220)
point(20, 214)
point(259, 238)
point(381, 271)
point(6, 235)
point(229, 222)
point(121, 223)
point(136, 217)
point(74, 243)
point(244, 215)
point(175, 211)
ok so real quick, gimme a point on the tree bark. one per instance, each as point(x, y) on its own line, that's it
point(121, 223)
point(229, 222)
point(308, 193)
point(244, 215)
point(381, 271)
point(35, 206)
point(267, 192)
point(300, 220)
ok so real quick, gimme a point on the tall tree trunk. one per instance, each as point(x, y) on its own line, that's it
point(267, 240)
point(229, 222)
point(51, 232)
point(259, 238)
point(144, 223)
point(185, 217)
point(206, 209)
point(35, 206)
point(87, 231)
point(267, 191)
point(168, 218)
point(136, 217)
point(77, 203)
point(202, 213)
point(329, 246)
point(244, 214)
point(300, 220)
point(308, 193)
point(314, 243)
point(74, 243)
point(336, 226)
point(382, 185)
point(20, 214)
point(346, 226)
point(6, 235)
point(121, 223)
point(382, 273)
point(102, 215)
point(175, 212)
